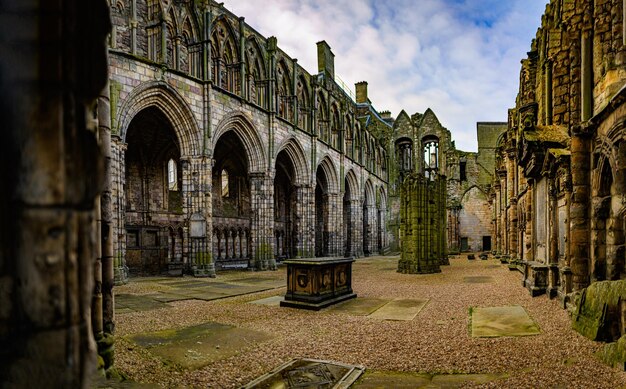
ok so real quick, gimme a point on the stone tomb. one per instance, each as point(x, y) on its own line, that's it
point(315, 283)
point(308, 373)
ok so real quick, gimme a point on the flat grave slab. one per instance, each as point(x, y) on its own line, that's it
point(273, 301)
point(361, 306)
point(399, 309)
point(125, 303)
point(502, 321)
point(308, 373)
point(197, 346)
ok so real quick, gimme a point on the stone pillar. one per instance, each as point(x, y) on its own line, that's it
point(105, 344)
point(357, 228)
point(530, 230)
point(512, 205)
point(198, 232)
point(262, 196)
point(579, 208)
point(53, 68)
point(335, 221)
point(118, 178)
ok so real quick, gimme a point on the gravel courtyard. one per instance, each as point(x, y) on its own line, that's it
point(436, 341)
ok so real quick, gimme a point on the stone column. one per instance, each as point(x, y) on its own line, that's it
point(512, 205)
point(357, 228)
point(579, 208)
point(262, 196)
point(53, 67)
point(197, 190)
point(530, 228)
point(105, 344)
point(335, 221)
point(118, 178)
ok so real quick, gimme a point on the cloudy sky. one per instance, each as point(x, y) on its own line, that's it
point(461, 58)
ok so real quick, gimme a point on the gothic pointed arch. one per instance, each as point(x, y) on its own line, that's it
point(245, 130)
point(304, 103)
point(353, 184)
point(171, 24)
point(294, 150)
point(328, 167)
point(161, 95)
point(256, 82)
point(225, 55)
point(335, 125)
point(370, 194)
point(284, 99)
point(154, 30)
point(323, 128)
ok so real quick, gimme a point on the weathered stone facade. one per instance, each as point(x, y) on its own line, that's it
point(213, 123)
point(561, 186)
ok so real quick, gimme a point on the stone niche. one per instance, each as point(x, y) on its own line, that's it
point(315, 283)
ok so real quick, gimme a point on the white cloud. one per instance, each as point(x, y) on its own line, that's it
point(461, 58)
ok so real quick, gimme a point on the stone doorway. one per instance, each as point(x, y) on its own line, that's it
point(486, 243)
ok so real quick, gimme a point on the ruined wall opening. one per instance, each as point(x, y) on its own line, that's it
point(285, 206)
point(231, 203)
point(347, 219)
point(369, 218)
point(431, 156)
point(153, 195)
point(474, 220)
point(322, 238)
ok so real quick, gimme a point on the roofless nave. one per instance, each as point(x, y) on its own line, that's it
point(225, 153)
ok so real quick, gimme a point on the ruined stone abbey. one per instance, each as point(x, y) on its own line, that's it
point(226, 153)
point(201, 146)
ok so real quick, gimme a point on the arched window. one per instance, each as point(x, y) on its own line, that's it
point(225, 184)
point(172, 175)
point(431, 157)
point(154, 30)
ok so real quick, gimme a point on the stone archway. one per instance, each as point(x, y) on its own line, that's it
point(607, 226)
point(326, 210)
point(232, 209)
point(474, 221)
point(350, 215)
point(289, 201)
point(369, 218)
point(153, 192)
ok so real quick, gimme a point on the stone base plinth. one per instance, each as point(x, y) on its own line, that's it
point(204, 270)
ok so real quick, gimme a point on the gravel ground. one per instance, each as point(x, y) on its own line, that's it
point(437, 341)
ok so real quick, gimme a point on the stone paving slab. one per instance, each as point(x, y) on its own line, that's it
point(136, 303)
point(399, 309)
point(308, 374)
point(502, 321)
point(404, 380)
point(273, 301)
point(168, 297)
point(360, 306)
point(197, 346)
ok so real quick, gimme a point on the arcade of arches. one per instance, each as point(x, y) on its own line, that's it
point(220, 166)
